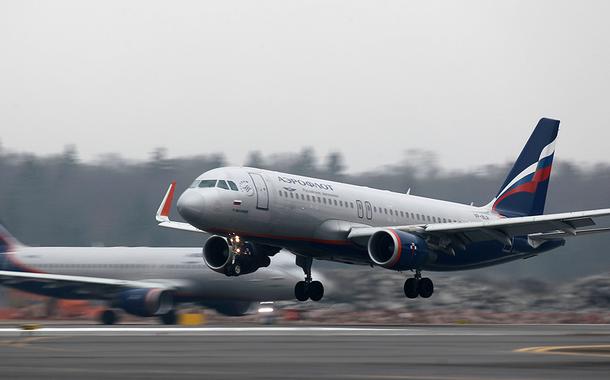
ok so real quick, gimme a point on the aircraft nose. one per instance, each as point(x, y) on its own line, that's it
point(190, 205)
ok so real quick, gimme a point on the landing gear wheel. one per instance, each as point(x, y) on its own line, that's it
point(108, 317)
point(233, 270)
point(236, 269)
point(411, 288)
point(300, 291)
point(425, 288)
point(169, 318)
point(315, 291)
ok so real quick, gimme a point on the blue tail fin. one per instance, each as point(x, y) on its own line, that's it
point(524, 191)
point(7, 241)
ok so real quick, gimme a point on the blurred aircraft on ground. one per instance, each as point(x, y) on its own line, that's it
point(141, 281)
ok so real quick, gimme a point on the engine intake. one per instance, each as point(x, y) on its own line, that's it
point(219, 256)
point(217, 253)
point(397, 250)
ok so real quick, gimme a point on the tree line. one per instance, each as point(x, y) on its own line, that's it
point(61, 200)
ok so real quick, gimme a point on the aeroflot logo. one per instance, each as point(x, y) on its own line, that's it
point(301, 182)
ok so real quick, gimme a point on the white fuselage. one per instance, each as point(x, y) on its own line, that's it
point(300, 213)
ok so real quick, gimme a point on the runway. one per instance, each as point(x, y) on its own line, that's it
point(412, 352)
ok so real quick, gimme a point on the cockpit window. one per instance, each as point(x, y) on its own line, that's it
point(232, 185)
point(195, 183)
point(207, 183)
point(222, 184)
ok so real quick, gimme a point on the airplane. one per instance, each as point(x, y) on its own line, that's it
point(141, 281)
point(252, 211)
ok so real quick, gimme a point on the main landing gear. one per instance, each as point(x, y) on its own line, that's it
point(307, 289)
point(418, 286)
point(109, 317)
point(169, 318)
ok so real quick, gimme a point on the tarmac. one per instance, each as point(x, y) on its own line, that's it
point(443, 352)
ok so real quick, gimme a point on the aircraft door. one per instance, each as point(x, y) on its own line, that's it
point(360, 209)
point(369, 210)
point(262, 193)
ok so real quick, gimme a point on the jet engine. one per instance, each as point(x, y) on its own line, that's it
point(234, 257)
point(146, 302)
point(397, 250)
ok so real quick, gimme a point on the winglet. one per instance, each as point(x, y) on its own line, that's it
point(166, 204)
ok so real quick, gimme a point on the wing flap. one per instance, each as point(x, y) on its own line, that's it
point(562, 234)
point(543, 227)
point(567, 222)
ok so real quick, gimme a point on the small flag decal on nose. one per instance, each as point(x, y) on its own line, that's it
point(237, 202)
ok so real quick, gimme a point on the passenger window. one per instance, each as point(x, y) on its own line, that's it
point(391, 213)
point(402, 214)
point(319, 200)
point(351, 204)
point(335, 201)
point(341, 203)
point(207, 183)
point(374, 208)
point(291, 195)
point(222, 184)
point(324, 200)
point(232, 185)
point(280, 192)
point(385, 210)
point(308, 198)
point(302, 197)
point(428, 216)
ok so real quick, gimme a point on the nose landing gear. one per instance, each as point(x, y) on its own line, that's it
point(418, 286)
point(307, 289)
point(245, 257)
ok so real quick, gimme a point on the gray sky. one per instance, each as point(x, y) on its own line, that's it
point(468, 79)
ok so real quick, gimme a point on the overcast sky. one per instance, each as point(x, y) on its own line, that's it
point(372, 79)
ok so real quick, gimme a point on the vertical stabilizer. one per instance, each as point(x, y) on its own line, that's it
point(524, 191)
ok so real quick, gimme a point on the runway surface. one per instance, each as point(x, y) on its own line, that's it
point(413, 352)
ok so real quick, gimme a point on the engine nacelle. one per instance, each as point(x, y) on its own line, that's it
point(219, 257)
point(397, 250)
point(146, 302)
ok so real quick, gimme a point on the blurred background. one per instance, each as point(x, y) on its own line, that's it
point(102, 104)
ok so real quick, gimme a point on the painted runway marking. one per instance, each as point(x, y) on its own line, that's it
point(601, 350)
point(297, 330)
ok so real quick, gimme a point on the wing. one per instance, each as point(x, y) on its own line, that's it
point(540, 228)
point(162, 215)
point(91, 287)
